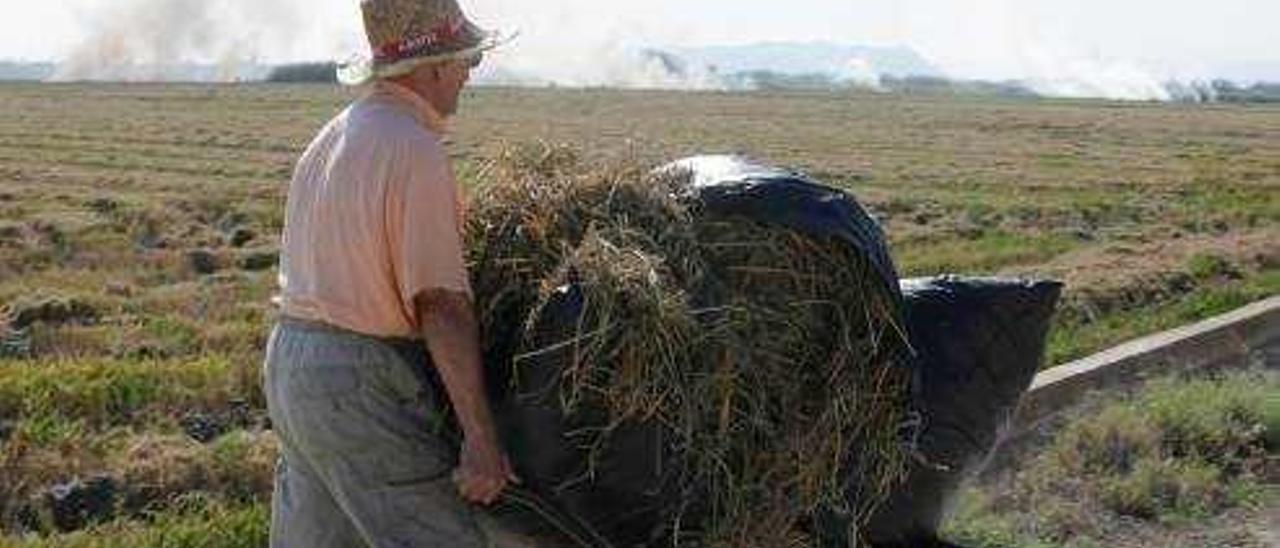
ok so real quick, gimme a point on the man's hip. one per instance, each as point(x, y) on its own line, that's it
point(361, 423)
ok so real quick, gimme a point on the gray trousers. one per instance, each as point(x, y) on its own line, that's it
point(362, 462)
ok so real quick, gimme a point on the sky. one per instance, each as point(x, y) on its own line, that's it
point(991, 39)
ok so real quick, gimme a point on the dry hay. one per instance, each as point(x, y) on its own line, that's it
point(773, 358)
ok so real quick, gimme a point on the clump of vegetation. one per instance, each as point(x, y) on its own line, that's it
point(258, 259)
point(52, 311)
point(1177, 453)
point(1209, 266)
point(237, 467)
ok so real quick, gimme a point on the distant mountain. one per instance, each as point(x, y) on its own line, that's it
point(25, 72)
point(1249, 72)
point(840, 61)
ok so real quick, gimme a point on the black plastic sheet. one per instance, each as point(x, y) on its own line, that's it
point(979, 344)
point(729, 185)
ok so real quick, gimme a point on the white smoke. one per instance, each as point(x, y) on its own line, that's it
point(1056, 73)
point(567, 43)
point(602, 65)
point(165, 40)
point(587, 43)
point(1051, 50)
point(862, 72)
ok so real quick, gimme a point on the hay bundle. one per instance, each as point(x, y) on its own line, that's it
point(719, 380)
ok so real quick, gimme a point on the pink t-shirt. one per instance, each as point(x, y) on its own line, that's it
point(374, 217)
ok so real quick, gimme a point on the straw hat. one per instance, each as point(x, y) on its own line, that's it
point(406, 33)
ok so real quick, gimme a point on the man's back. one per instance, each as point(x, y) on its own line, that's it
point(372, 218)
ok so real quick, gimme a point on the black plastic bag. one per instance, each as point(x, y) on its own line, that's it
point(627, 494)
point(979, 344)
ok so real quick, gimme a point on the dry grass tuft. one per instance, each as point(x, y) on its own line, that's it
point(156, 470)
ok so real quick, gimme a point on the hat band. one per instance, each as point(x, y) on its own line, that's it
point(439, 38)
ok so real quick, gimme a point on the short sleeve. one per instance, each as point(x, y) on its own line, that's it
point(424, 225)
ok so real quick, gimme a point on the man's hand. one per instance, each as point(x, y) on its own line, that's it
point(449, 326)
point(483, 472)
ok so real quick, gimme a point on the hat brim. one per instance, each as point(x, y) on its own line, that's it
point(362, 69)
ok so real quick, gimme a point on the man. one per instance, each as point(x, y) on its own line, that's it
point(373, 282)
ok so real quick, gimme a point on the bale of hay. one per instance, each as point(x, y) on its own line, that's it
point(675, 367)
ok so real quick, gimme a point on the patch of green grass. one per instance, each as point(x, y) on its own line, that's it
point(972, 523)
point(111, 391)
point(46, 430)
point(1210, 419)
point(1173, 457)
point(1171, 452)
point(1208, 266)
point(1076, 337)
point(1115, 440)
point(984, 254)
point(1160, 489)
point(166, 335)
point(195, 524)
point(1231, 202)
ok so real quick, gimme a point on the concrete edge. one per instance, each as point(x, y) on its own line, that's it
point(1235, 339)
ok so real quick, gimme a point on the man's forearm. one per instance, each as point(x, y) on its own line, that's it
point(452, 335)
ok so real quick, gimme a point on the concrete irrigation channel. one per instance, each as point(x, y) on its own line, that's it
point(1246, 337)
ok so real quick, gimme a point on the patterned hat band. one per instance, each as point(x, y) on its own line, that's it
point(404, 34)
point(449, 36)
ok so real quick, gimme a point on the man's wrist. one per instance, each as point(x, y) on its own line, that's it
point(478, 429)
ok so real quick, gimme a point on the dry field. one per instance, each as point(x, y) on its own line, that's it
point(138, 223)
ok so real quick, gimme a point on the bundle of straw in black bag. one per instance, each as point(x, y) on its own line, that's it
point(670, 371)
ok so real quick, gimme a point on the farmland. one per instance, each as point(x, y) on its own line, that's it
point(138, 228)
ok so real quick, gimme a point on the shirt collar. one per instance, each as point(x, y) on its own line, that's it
point(422, 110)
